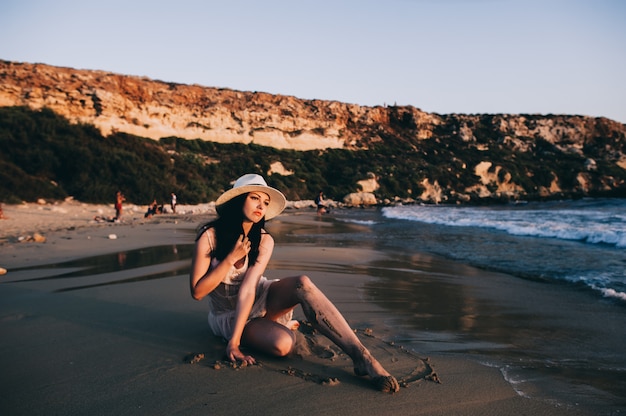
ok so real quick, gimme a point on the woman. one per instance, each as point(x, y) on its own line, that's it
point(249, 310)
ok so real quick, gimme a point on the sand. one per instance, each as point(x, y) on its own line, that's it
point(131, 340)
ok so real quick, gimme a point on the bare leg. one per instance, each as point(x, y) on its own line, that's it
point(268, 336)
point(324, 316)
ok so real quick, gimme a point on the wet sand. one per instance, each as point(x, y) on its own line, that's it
point(111, 329)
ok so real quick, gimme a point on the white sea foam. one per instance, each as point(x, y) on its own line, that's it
point(602, 283)
point(612, 293)
point(594, 226)
point(515, 381)
point(360, 222)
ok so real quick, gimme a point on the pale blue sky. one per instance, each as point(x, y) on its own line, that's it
point(443, 56)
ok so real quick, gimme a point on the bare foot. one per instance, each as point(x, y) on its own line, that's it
point(380, 378)
point(386, 384)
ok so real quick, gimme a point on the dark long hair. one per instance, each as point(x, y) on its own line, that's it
point(228, 229)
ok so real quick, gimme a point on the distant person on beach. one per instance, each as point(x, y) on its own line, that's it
point(246, 308)
point(152, 209)
point(2, 217)
point(173, 203)
point(119, 199)
point(319, 201)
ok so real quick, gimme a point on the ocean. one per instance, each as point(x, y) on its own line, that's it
point(535, 289)
point(580, 242)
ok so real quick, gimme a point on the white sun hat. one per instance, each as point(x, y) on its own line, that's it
point(253, 182)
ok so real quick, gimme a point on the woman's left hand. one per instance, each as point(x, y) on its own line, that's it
point(234, 354)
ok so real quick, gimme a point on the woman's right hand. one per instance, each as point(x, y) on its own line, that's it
point(241, 249)
point(234, 354)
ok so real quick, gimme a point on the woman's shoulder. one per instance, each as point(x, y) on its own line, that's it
point(208, 229)
point(266, 237)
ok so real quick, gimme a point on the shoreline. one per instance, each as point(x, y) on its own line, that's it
point(26, 219)
point(123, 345)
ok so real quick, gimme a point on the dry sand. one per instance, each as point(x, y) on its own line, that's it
point(132, 341)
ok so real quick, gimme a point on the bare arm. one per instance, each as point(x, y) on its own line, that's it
point(246, 297)
point(202, 280)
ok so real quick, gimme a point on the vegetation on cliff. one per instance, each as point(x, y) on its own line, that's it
point(42, 155)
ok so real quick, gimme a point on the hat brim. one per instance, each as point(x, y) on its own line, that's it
point(277, 199)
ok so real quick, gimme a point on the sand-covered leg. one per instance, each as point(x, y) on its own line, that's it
point(325, 318)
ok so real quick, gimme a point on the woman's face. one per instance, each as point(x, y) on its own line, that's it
point(255, 206)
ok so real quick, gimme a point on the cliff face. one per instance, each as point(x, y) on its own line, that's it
point(155, 109)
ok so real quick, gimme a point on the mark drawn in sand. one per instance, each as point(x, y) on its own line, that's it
point(318, 360)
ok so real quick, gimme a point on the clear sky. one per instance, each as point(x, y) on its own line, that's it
point(442, 56)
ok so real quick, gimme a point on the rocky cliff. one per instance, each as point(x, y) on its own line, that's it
point(156, 109)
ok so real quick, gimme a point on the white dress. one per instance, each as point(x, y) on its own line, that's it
point(223, 299)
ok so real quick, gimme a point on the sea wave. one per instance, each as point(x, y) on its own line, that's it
point(609, 285)
point(595, 224)
point(612, 293)
point(359, 222)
